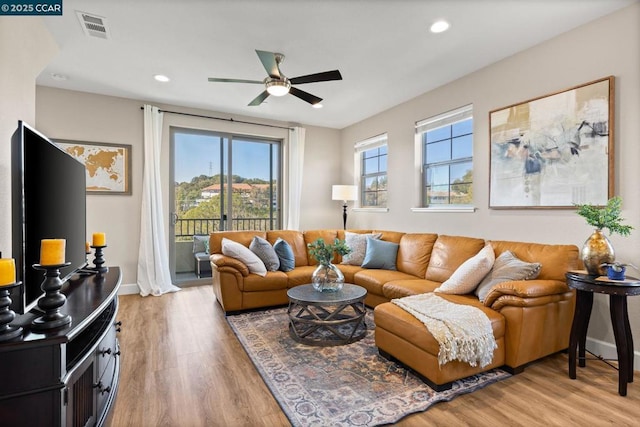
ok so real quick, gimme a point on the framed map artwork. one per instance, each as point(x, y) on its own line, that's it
point(108, 166)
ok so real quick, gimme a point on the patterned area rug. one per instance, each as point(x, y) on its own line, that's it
point(348, 385)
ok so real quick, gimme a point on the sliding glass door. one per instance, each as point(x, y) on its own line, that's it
point(219, 182)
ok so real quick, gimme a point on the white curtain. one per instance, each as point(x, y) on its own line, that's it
point(295, 160)
point(154, 276)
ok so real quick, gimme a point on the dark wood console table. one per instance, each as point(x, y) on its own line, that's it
point(67, 376)
point(618, 291)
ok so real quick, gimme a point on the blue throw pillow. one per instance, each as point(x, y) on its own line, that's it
point(285, 254)
point(380, 254)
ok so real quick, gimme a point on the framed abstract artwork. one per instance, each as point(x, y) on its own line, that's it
point(108, 166)
point(554, 151)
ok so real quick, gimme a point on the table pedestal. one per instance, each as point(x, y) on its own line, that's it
point(618, 291)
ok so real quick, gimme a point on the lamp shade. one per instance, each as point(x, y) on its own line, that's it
point(344, 192)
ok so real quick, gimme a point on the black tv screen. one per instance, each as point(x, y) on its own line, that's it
point(48, 202)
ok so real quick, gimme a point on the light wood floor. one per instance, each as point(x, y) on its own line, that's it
point(183, 366)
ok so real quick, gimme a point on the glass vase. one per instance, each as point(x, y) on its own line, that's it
point(327, 278)
point(596, 251)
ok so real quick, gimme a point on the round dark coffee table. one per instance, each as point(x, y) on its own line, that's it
point(327, 318)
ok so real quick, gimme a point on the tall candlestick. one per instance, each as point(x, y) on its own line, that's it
point(99, 239)
point(52, 251)
point(7, 271)
point(52, 300)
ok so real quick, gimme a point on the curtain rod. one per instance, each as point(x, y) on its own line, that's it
point(222, 118)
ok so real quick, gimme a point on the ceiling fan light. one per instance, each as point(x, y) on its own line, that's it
point(278, 87)
point(439, 26)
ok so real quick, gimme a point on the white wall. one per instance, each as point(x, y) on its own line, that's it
point(608, 46)
point(64, 114)
point(25, 49)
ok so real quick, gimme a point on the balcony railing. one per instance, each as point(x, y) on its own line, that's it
point(187, 228)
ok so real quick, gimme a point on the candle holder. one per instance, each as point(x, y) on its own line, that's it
point(53, 299)
point(99, 260)
point(8, 331)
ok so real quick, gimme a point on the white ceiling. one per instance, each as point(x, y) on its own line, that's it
point(383, 49)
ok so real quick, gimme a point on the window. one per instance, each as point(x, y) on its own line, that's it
point(371, 162)
point(446, 143)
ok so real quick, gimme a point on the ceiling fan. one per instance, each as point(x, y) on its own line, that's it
point(277, 84)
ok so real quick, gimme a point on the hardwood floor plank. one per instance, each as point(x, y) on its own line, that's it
point(183, 366)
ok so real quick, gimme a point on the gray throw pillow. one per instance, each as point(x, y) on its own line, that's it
point(358, 245)
point(285, 255)
point(506, 268)
point(265, 252)
point(200, 244)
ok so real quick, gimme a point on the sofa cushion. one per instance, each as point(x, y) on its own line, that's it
point(556, 260)
point(329, 236)
point(273, 280)
point(348, 271)
point(380, 254)
point(406, 287)
point(403, 324)
point(507, 268)
point(358, 244)
point(300, 275)
point(390, 236)
point(295, 239)
point(467, 277)
point(449, 252)
point(414, 253)
point(374, 280)
point(242, 237)
point(285, 255)
point(242, 253)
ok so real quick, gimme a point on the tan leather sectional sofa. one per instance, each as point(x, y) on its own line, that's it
point(530, 318)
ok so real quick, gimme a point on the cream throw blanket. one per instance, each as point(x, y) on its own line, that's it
point(463, 332)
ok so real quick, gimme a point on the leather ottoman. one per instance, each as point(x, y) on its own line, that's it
point(400, 336)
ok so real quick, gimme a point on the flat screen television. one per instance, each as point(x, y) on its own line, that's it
point(48, 202)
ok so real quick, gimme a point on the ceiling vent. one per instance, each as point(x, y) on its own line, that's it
point(93, 25)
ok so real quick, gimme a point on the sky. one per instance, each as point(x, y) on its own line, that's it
point(200, 155)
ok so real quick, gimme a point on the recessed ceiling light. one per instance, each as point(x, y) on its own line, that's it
point(59, 77)
point(439, 26)
point(318, 105)
point(161, 78)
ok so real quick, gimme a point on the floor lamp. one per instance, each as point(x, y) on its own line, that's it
point(346, 193)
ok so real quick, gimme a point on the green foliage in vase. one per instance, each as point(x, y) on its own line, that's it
point(323, 252)
point(607, 216)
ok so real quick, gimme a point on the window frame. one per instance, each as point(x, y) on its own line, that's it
point(360, 148)
point(448, 118)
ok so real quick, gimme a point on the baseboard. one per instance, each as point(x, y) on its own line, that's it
point(608, 351)
point(128, 289)
point(132, 288)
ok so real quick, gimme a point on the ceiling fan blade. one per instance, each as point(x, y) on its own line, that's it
point(305, 96)
point(269, 63)
point(259, 99)
point(213, 79)
point(317, 77)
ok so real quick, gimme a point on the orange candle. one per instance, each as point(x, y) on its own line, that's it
point(7, 271)
point(52, 251)
point(87, 248)
point(99, 239)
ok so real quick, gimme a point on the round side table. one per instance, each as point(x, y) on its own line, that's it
point(618, 291)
